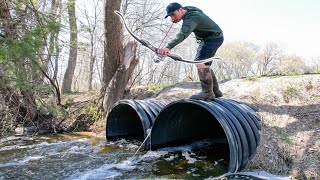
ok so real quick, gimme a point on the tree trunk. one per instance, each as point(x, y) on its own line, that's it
point(113, 48)
point(8, 27)
point(52, 36)
point(56, 60)
point(68, 76)
point(56, 44)
point(92, 61)
point(118, 83)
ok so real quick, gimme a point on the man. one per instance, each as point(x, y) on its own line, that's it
point(210, 36)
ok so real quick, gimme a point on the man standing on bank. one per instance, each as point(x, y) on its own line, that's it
point(210, 36)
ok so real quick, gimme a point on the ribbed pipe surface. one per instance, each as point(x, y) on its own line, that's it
point(130, 119)
point(222, 120)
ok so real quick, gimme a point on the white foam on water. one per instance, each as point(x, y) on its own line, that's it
point(76, 148)
point(106, 171)
point(121, 141)
point(22, 162)
point(149, 156)
point(32, 158)
point(82, 150)
point(133, 146)
point(7, 148)
point(126, 165)
point(193, 169)
point(81, 153)
point(169, 158)
point(190, 147)
point(103, 172)
point(113, 170)
point(13, 138)
point(125, 144)
point(21, 146)
point(10, 164)
point(186, 148)
point(37, 145)
point(152, 155)
point(258, 174)
point(189, 158)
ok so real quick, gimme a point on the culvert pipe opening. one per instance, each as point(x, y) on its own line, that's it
point(187, 121)
point(132, 119)
point(123, 121)
point(184, 123)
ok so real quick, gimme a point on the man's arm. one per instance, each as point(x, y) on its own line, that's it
point(187, 28)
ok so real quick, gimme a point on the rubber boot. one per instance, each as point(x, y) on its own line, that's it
point(215, 85)
point(205, 77)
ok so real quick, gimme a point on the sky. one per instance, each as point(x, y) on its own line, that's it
point(293, 24)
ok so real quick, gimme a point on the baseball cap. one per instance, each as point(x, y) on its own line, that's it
point(172, 7)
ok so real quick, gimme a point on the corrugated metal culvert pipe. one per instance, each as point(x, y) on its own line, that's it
point(130, 119)
point(222, 120)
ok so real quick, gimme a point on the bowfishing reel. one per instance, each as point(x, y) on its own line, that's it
point(157, 58)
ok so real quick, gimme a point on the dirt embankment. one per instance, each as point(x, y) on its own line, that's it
point(290, 111)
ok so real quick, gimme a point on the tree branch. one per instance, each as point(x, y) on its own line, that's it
point(51, 82)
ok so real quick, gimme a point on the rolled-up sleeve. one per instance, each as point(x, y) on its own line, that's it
point(187, 28)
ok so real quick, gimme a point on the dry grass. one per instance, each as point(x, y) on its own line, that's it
point(290, 111)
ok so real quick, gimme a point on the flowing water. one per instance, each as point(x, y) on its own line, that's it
point(82, 156)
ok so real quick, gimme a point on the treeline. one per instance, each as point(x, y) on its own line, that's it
point(54, 47)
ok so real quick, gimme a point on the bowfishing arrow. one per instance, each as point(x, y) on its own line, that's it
point(154, 49)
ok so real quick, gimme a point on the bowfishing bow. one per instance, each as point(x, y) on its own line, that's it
point(154, 49)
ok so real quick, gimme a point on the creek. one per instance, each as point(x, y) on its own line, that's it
point(84, 156)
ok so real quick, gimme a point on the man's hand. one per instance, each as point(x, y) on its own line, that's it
point(163, 51)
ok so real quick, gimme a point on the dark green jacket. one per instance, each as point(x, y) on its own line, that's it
point(196, 21)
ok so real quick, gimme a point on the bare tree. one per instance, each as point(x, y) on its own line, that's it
point(54, 51)
point(90, 26)
point(316, 62)
point(291, 64)
point(238, 58)
point(68, 76)
point(267, 58)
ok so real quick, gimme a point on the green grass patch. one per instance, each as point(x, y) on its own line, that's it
point(251, 78)
point(311, 73)
point(68, 101)
point(292, 89)
point(286, 139)
point(92, 111)
point(274, 75)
